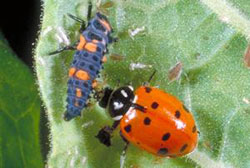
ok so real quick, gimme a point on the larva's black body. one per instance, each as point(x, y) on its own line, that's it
point(87, 63)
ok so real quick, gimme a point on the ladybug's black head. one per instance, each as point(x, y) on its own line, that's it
point(118, 102)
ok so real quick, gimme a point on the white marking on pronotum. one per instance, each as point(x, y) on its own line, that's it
point(62, 36)
point(131, 114)
point(134, 66)
point(135, 99)
point(117, 105)
point(124, 93)
point(134, 32)
point(117, 118)
point(131, 88)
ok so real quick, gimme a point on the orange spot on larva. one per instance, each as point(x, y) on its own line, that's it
point(82, 75)
point(76, 104)
point(72, 72)
point(82, 42)
point(78, 92)
point(105, 24)
point(91, 47)
point(94, 84)
point(104, 59)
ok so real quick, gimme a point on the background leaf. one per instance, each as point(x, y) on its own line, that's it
point(209, 40)
point(19, 112)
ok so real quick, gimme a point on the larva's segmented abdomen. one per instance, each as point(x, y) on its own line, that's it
point(87, 63)
point(78, 89)
point(75, 103)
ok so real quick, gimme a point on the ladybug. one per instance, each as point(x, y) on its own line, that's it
point(150, 119)
point(87, 61)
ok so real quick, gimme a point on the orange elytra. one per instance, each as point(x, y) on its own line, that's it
point(150, 119)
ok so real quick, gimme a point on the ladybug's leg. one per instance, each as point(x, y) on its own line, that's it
point(139, 107)
point(82, 22)
point(103, 96)
point(104, 135)
point(150, 78)
point(83, 25)
point(89, 10)
point(71, 47)
point(123, 155)
point(113, 39)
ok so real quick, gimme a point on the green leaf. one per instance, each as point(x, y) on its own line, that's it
point(19, 112)
point(208, 37)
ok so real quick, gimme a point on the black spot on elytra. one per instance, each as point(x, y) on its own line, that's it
point(166, 136)
point(154, 105)
point(194, 129)
point(163, 151)
point(177, 114)
point(186, 109)
point(148, 89)
point(147, 121)
point(183, 148)
point(127, 128)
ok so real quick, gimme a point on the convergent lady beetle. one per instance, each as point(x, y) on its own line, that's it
point(151, 119)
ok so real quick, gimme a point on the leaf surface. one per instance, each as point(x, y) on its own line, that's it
point(156, 34)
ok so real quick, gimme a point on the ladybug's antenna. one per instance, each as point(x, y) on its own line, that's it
point(150, 78)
